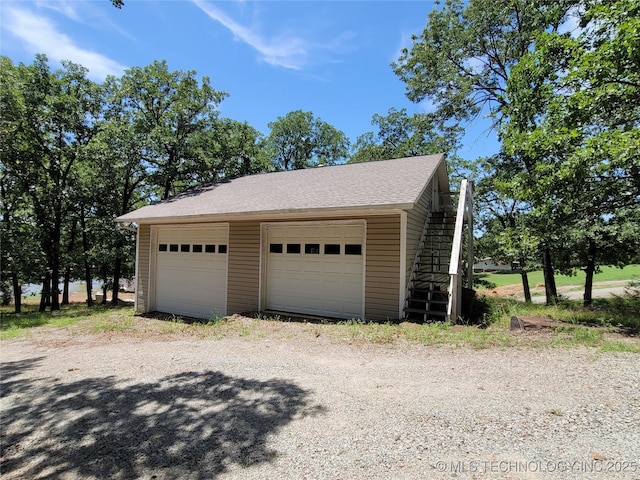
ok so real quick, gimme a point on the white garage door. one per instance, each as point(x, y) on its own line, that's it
point(191, 271)
point(316, 269)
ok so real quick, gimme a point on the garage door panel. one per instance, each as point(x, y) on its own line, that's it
point(313, 281)
point(192, 283)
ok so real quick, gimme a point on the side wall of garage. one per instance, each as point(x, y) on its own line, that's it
point(243, 289)
point(143, 256)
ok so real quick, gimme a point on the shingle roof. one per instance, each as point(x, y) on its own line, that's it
point(394, 183)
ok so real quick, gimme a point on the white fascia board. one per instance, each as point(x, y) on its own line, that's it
point(375, 210)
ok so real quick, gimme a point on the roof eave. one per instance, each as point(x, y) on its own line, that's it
point(383, 209)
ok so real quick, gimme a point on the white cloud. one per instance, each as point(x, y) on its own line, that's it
point(41, 36)
point(285, 50)
point(65, 8)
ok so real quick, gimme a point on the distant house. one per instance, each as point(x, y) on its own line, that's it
point(490, 265)
point(367, 240)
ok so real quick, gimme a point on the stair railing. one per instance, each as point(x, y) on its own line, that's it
point(464, 212)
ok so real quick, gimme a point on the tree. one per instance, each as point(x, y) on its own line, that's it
point(507, 224)
point(462, 62)
point(574, 123)
point(20, 253)
point(171, 109)
point(55, 119)
point(400, 135)
point(299, 140)
point(231, 149)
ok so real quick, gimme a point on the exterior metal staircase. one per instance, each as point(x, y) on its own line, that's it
point(427, 293)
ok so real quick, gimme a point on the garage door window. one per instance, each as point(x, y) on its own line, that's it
point(162, 247)
point(293, 248)
point(210, 248)
point(332, 249)
point(312, 248)
point(275, 248)
point(173, 247)
point(185, 248)
point(222, 249)
point(352, 249)
point(197, 249)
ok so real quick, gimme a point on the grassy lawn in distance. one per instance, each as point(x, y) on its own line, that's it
point(607, 274)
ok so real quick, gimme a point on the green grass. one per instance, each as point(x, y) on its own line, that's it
point(102, 318)
point(608, 274)
point(622, 313)
point(611, 325)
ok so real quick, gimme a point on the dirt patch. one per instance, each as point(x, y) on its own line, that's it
point(506, 291)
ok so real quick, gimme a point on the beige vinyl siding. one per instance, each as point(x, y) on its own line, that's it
point(142, 273)
point(382, 280)
point(243, 267)
point(415, 223)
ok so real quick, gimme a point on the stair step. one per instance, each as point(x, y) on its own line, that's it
point(425, 312)
point(428, 301)
point(426, 285)
point(427, 290)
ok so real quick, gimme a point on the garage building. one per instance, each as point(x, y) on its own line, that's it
point(334, 241)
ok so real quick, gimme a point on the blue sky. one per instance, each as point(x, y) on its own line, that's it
point(272, 57)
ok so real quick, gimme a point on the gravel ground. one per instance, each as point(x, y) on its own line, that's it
point(121, 407)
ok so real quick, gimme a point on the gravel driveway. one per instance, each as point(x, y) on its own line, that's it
point(121, 407)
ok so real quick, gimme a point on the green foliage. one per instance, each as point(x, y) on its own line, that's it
point(461, 62)
point(628, 305)
point(578, 147)
point(567, 108)
point(400, 135)
point(172, 111)
point(239, 149)
point(76, 155)
point(299, 140)
point(48, 118)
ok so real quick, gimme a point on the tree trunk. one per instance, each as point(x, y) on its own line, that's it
point(590, 270)
point(116, 281)
point(85, 258)
point(65, 286)
point(525, 285)
point(549, 279)
point(67, 270)
point(45, 298)
point(55, 285)
point(17, 291)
